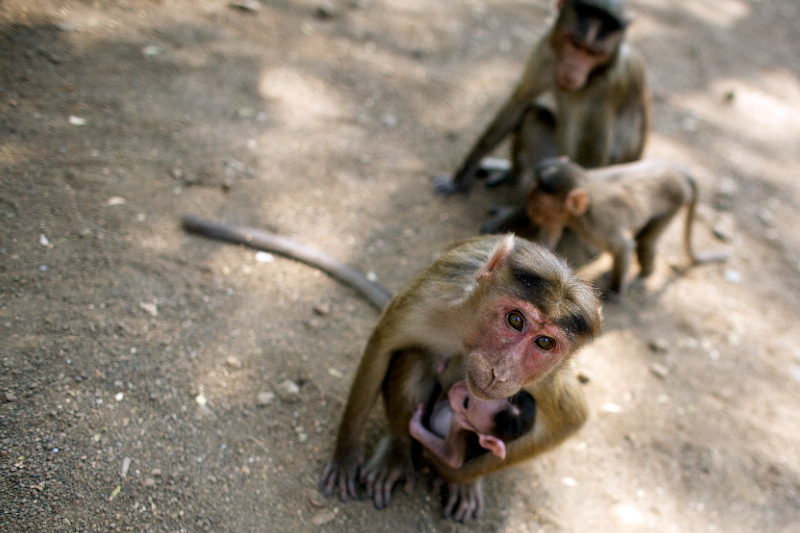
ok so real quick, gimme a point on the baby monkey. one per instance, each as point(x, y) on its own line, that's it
point(458, 415)
point(619, 209)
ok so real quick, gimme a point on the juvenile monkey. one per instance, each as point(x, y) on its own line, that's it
point(620, 209)
point(601, 111)
point(457, 415)
point(511, 314)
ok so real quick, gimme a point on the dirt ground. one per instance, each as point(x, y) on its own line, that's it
point(133, 355)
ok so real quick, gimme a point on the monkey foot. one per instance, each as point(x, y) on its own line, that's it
point(445, 185)
point(464, 502)
point(341, 475)
point(391, 464)
point(504, 219)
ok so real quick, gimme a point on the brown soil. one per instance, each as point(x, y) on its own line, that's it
point(324, 122)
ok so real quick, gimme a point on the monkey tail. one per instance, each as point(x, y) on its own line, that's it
point(697, 259)
point(270, 242)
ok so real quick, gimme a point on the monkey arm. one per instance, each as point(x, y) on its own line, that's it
point(348, 457)
point(451, 450)
point(561, 410)
point(631, 99)
point(535, 81)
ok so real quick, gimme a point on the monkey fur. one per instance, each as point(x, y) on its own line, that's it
point(621, 209)
point(583, 94)
point(506, 312)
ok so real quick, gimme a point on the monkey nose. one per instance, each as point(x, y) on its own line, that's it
point(500, 375)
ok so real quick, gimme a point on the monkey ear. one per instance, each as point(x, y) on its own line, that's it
point(499, 256)
point(577, 202)
point(493, 444)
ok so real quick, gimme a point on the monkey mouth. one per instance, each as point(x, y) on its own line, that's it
point(490, 389)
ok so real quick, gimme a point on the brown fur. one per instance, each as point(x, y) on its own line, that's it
point(602, 122)
point(451, 310)
point(621, 209)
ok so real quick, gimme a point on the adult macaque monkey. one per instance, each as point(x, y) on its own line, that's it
point(514, 314)
point(499, 312)
point(620, 209)
point(601, 111)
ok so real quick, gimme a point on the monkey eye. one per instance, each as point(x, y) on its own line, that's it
point(545, 343)
point(515, 320)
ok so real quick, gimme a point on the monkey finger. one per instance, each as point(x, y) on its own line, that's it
point(452, 500)
point(467, 507)
point(377, 489)
point(327, 481)
point(351, 487)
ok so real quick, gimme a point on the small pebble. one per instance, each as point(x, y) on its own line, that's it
point(733, 276)
point(288, 391)
point(264, 257)
point(658, 345)
point(659, 371)
point(149, 482)
point(264, 398)
point(246, 5)
point(323, 517)
point(126, 464)
point(233, 362)
point(315, 498)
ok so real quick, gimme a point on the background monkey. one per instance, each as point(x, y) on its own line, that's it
point(508, 310)
point(456, 416)
point(620, 209)
point(601, 109)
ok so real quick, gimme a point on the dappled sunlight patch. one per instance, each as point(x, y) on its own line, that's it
point(722, 13)
point(764, 110)
point(301, 101)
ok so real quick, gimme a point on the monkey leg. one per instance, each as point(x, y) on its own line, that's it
point(409, 381)
point(646, 242)
point(534, 141)
point(496, 171)
point(505, 219)
point(619, 273)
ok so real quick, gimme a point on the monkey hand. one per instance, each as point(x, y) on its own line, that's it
point(342, 473)
point(445, 185)
point(391, 464)
point(464, 501)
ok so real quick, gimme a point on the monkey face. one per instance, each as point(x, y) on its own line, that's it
point(579, 57)
point(546, 210)
point(515, 345)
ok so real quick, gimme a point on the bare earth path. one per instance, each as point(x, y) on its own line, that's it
point(132, 355)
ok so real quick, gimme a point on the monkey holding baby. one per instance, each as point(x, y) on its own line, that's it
point(499, 313)
point(600, 115)
point(621, 209)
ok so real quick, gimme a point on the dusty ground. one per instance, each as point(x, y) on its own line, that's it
point(325, 125)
